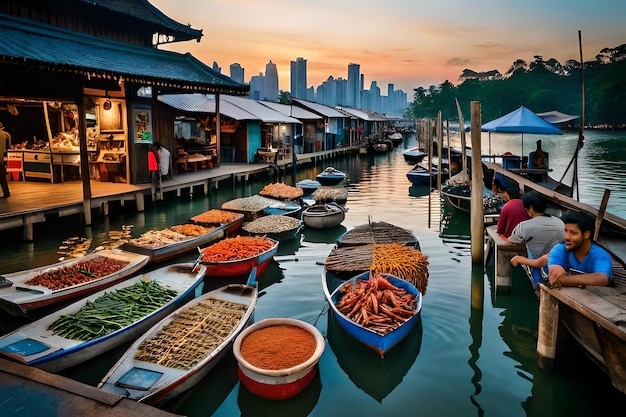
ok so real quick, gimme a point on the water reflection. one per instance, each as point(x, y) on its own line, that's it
point(375, 375)
point(419, 190)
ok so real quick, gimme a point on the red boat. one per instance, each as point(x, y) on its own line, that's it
point(237, 267)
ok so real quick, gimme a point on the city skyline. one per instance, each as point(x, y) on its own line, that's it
point(408, 44)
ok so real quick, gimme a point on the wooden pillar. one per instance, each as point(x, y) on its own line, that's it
point(477, 221)
point(548, 329)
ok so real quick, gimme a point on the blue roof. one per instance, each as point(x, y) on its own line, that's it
point(29, 43)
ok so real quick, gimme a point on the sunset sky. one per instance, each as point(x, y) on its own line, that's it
point(409, 43)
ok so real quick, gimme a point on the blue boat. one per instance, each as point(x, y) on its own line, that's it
point(330, 176)
point(414, 155)
point(421, 175)
point(380, 343)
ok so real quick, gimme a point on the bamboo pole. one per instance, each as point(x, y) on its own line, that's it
point(477, 222)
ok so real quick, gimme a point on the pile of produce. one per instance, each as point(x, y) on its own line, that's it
point(274, 223)
point(329, 194)
point(248, 204)
point(282, 191)
point(376, 304)
point(193, 334)
point(403, 262)
point(217, 216)
point(158, 238)
point(113, 311)
point(236, 248)
point(78, 273)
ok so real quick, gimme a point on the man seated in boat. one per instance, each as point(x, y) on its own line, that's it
point(579, 261)
point(538, 159)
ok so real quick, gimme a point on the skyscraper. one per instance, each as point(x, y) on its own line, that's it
point(298, 78)
point(237, 72)
point(271, 82)
point(353, 98)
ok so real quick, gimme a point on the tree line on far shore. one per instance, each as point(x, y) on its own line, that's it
point(540, 86)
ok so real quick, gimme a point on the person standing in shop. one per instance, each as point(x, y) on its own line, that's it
point(5, 143)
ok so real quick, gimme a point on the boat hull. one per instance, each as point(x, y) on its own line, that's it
point(34, 344)
point(379, 343)
point(173, 250)
point(323, 216)
point(20, 302)
point(174, 381)
point(242, 266)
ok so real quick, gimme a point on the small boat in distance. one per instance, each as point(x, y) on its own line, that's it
point(396, 138)
point(421, 175)
point(324, 215)
point(414, 155)
point(330, 176)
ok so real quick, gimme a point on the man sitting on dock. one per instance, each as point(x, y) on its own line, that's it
point(579, 261)
point(540, 233)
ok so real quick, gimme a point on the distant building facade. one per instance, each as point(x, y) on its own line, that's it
point(298, 78)
point(271, 82)
point(237, 73)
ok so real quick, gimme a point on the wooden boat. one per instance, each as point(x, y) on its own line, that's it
point(240, 266)
point(160, 251)
point(24, 295)
point(421, 175)
point(231, 220)
point(180, 350)
point(414, 155)
point(381, 343)
point(381, 146)
point(323, 216)
point(308, 186)
point(396, 138)
point(37, 345)
point(330, 176)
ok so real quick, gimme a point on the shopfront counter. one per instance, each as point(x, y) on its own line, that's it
point(54, 166)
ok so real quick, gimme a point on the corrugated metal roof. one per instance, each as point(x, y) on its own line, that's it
point(201, 103)
point(293, 111)
point(320, 108)
point(143, 10)
point(266, 114)
point(29, 43)
point(368, 116)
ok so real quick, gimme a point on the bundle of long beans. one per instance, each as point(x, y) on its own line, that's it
point(350, 258)
point(113, 311)
point(403, 262)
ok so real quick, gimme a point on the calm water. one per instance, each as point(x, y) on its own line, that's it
point(474, 353)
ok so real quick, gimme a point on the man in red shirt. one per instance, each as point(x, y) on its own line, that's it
point(512, 213)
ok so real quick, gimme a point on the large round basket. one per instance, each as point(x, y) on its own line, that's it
point(282, 383)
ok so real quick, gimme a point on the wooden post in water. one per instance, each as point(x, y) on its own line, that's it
point(477, 220)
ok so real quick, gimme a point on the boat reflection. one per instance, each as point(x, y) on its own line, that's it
point(300, 405)
point(375, 375)
point(324, 235)
point(419, 190)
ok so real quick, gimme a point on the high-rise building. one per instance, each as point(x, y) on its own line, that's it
point(237, 72)
point(257, 87)
point(217, 68)
point(353, 98)
point(298, 78)
point(271, 82)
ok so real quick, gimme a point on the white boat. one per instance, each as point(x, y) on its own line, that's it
point(38, 345)
point(67, 280)
point(323, 216)
point(184, 347)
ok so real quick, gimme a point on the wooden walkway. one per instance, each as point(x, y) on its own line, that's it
point(30, 201)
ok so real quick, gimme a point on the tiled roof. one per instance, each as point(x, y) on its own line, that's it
point(146, 12)
point(29, 43)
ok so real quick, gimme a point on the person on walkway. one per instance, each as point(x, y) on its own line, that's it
point(5, 143)
point(512, 213)
point(579, 260)
point(540, 233)
point(154, 159)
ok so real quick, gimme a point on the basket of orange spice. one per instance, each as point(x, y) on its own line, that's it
point(277, 358)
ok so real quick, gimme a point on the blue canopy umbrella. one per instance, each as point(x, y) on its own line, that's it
point(521, 121)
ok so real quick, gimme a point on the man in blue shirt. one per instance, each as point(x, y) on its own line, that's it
point(579, 261)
